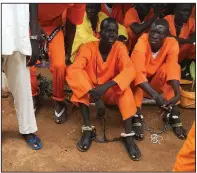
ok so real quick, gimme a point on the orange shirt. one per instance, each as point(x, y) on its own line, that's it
point(51, 16)
point(88, 60)
point(118, 11)
point(146, 66)
point(132, 17)
point(185, 161)
point(187, 29)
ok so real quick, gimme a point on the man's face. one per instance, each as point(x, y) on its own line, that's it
point(91, 10)
point(109, 33)
point(183, 12)
point(143, 9)
point(157, 34)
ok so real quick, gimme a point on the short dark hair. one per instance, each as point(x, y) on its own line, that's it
point(109, 20)
point(162, 22)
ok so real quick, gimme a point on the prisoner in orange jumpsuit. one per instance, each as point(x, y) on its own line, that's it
point(186, 159)
point(117, 11)
point(52, 16)
point(182, 27)
point(156, 60)
point(137, 21)
point(102, 72)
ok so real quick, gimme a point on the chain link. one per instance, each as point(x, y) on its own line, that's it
point(156, 137)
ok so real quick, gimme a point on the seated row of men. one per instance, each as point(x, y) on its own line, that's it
point(103, 71)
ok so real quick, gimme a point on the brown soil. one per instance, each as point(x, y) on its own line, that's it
point(59, 152)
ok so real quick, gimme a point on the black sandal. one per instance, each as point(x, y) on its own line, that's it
point(176, 124)
point(60, 117)
point(134, 153)
point(137, 124)
point(174, 120)
point(85, 142)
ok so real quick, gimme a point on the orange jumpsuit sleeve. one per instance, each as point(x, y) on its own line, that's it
point(76, 13)
point(193, 30)
point(138, 57)
point(126, 70)
point(130, 17)
point(185, 161)
point(173, 72)
point(77, 77)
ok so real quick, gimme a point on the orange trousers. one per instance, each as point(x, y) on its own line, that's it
point(187, 51)
point(158, 83)
point(125, 100)
point(185, 161)
point(56, 52)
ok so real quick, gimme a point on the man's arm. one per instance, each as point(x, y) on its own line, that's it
point(145, 86)
point(69, 39)
point(190, 40)
point(140, 28)
point(34, 29)
point(175, 86)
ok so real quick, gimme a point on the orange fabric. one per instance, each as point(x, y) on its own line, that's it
point(118, 11)
point(185, 161)
point(164, 68)
point(186, 50)
point(82, 76)
point(56, 54)
point(51, 16)
point(132, 17)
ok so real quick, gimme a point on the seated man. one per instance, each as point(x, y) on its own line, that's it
point(51, 17)
point(89, 30)
point(137, 20)
point(182, 27)
point(156, 60)
point(101, 72)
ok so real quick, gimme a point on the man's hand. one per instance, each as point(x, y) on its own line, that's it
point(160, 101)
point(122, 38)
point(173, 100)
point(96, 93)
point(100, 106)
point(35, 53)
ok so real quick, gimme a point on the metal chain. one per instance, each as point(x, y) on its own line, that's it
point(156, 137)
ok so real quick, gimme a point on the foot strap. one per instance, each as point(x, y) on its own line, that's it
point(138, 116)
point(138, 124)
point(177, 125)
point(87, 128)
point(127, 134)
point(59, 114)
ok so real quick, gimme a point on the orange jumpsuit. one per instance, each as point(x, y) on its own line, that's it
point(50, 17)
point(157, 71)
point(186, 160)
point(132, 17)
point(89, 71)
point(186, 50)
point(118, 11)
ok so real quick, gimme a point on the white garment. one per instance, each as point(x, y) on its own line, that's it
point(108, 9)
point(15, 46)
point(15, 29)
point(18, 76)
point(154, 55)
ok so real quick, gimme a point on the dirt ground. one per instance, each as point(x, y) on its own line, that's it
point(59, 152)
